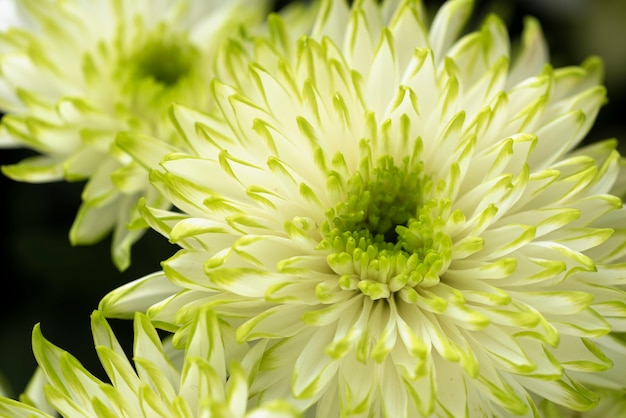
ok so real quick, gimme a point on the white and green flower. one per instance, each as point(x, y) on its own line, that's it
point(397, 217)
point(163, 382)
point(75, 73)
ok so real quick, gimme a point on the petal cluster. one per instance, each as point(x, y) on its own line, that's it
point(75, 73)
point(161, 381)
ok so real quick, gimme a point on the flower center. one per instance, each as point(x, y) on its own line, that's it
point(155, 67)
point(165, 59)
point(385, 237)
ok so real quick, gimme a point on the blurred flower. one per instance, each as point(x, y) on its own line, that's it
point(396, 216)
point(75, 73)
point(162, 383)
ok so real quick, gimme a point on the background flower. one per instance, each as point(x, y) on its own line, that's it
point(74, 74)
point(161, 382)
point(385, 200)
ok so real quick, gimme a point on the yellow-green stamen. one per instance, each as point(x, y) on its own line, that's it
point(385, 236)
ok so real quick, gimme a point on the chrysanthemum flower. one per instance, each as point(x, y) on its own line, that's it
point(75, 73)
point(397, 217)
point(162, 383)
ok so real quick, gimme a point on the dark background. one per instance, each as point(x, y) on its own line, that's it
point(43, 279)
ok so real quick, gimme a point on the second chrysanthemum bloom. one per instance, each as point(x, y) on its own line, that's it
point(397, 217)
point(159, 383)
point(75, 73)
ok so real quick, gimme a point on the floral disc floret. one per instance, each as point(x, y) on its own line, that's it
point(384, 238)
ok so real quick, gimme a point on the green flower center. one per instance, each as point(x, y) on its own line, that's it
point(166, 59)
point(385, 237)
point(377, 204)
point(155, 67)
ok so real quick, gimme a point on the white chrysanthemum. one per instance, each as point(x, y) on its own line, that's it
point(397, 217)
point(75, 73)
point(162, 383)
